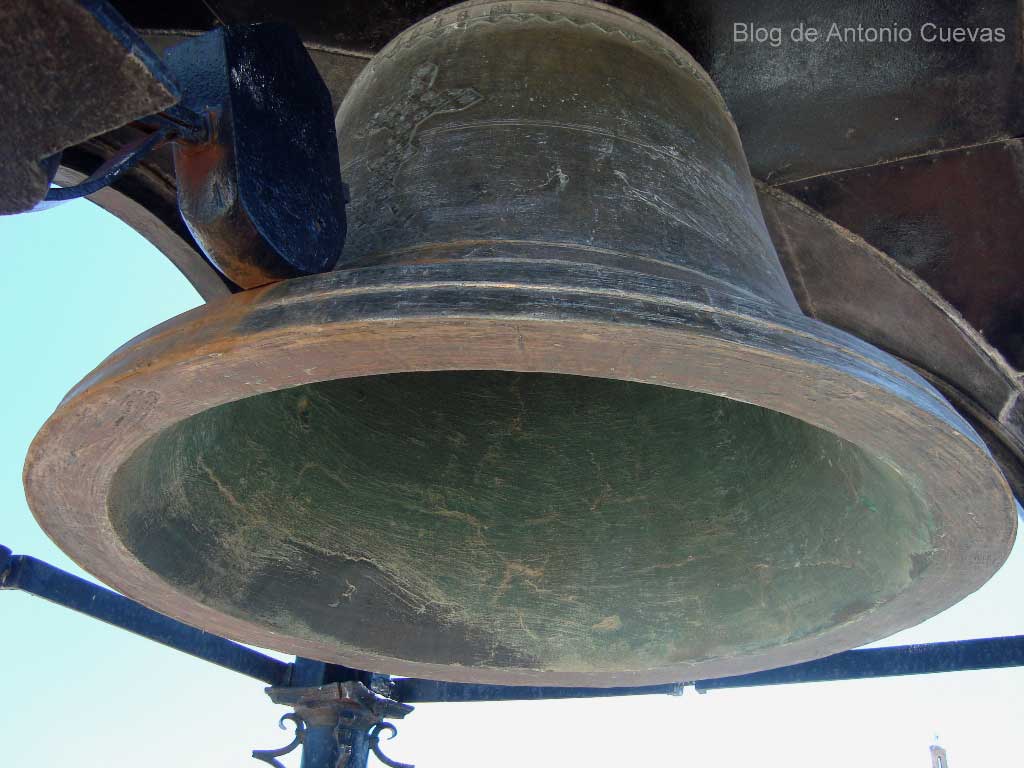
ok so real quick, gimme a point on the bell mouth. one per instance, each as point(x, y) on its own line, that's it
point(521, 520)
point(550, 483)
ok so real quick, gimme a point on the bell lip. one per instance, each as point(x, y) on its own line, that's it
point(526, 317)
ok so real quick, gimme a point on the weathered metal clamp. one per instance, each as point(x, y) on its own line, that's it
point(348, 710)
point(252, 128)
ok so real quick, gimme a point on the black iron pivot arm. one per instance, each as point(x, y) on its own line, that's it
point(44, 580)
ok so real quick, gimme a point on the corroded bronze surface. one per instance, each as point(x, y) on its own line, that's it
point(564, 424)
point(840, 279)
point(522, 520)
point(959, 514)
point(590, 138)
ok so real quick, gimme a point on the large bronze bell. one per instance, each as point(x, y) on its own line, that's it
point(558, 419)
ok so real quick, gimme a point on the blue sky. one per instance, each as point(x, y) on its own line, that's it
point(77, 284)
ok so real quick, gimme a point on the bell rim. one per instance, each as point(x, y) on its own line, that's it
point(556, 318)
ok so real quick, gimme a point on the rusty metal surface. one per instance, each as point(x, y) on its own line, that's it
point(323, 704)
point(337, 724)
point(954, 219)
point(68, 72)
point(146, 199)
point(263, 197)
point(843, 280)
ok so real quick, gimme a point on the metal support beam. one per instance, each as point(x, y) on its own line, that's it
point(415, 691)
point(323, 746)
point(339, 716)
point(929, 658)
point(44, 580)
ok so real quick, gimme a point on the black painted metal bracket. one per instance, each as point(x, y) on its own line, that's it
point(250, 119)
point(340, 712)
point(69, 70)
point(264, 196)
point(338, 722)
point(44, 580)
point(894, 661)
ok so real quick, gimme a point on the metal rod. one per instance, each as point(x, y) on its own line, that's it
point(325, 747)
point(128, 157)
point(953, 656)
point(44, 580)
point(410, 690)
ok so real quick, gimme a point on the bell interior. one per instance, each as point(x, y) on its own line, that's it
point(521, 520)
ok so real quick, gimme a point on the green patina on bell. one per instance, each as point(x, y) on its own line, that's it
point(558, 418)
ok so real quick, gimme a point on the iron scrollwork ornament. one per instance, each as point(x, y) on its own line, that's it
point(375, 732)
point(270, 756)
